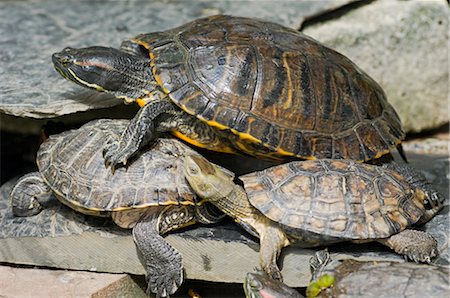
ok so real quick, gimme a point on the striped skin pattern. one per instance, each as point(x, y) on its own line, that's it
point(72, 164)
point(325, 201)
point(274, 91)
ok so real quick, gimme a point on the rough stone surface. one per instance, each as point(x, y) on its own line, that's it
point(27, 282)
point(32, 30)
point(403, 45)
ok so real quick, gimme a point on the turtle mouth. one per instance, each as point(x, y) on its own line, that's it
point(62, 62)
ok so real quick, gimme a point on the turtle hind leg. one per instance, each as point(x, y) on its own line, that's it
point(418, 246)
point(163, 262)
point(27, 194)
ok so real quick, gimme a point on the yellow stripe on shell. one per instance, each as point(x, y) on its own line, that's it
point(241, 135)
point(183, 137)
point(141, 102)
point(288, 103)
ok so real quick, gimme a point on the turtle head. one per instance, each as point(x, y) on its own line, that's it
point(429, 197)
point(260, 285)
point(207, 180)
point(105, 69)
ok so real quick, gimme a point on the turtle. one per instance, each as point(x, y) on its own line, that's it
point(151, 196)
point(239, 85)
point(353, 278)
point(320, 202)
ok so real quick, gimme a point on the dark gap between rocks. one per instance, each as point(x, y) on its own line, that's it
point(333, 14)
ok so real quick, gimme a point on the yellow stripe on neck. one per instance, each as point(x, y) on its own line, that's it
point(90, 85)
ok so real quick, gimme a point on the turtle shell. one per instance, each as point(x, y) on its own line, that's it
point(338, 199)
point(72, 164)
point(279, 92)
point(390, 279)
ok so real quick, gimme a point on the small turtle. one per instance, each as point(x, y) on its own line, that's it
point(151, 196)
point(350, 278)
point(234, 84)
point(320, 202)
point(353, 278)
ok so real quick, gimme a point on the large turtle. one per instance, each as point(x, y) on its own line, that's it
point(234, 84)
point(151, 195)
point(320, 202)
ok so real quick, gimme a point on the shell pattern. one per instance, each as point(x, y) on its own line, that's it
point(72, 164)
point(334, 200)
point(273, 88)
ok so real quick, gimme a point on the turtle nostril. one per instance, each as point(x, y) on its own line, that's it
point(61, 57)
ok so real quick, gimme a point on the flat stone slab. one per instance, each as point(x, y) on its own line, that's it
point(222, 253)
point(34, 30)
point(29, 282)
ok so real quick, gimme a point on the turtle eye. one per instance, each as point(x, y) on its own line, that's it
point(255, 284)
point(427, 204)
point(435, 200)
point(65, 61)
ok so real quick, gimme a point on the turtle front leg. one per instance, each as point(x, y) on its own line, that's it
point(161, 115)
point(163, 262)
point(26, 194)
point(141, 130)
point(272, 240)
point(418, 246)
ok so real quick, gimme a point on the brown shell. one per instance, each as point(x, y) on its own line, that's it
point(335, 198)
point(73, 165)
point(274, 86)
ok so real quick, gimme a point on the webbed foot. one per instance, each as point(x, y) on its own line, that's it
point(163, 262)
point(140, 131)
point(163, 281)
point(418, 246)
point(116, 154)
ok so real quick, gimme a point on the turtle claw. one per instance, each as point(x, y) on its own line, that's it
point(116, 155)
point(274, 272)
point(165, 284)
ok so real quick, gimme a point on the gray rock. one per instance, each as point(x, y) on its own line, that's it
point(404, 46)
point(31, 31)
